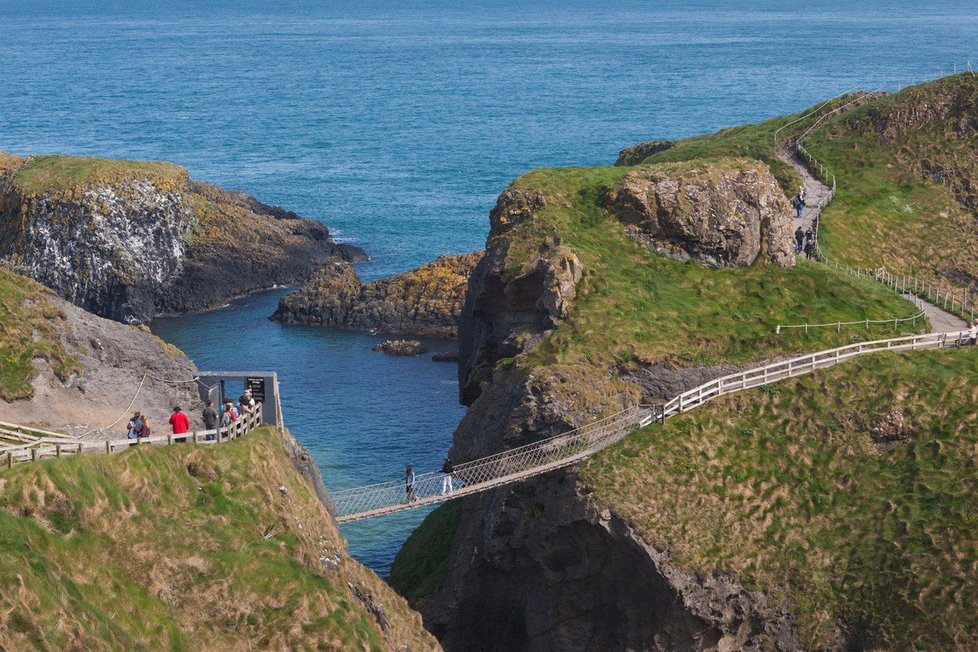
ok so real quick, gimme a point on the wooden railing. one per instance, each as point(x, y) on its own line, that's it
point(52, 447)
point(802, 364)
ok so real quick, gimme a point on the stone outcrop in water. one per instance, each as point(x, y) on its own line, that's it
point(128, 240)
point(424, 301)
point(724, 213)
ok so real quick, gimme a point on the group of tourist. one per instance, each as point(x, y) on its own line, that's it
point(805, 241)
point(447, 480)
point(139, 428)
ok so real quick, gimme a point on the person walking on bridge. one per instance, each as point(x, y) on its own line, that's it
point(410, 496)
point(446, 480)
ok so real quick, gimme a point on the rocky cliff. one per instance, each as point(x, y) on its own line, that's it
point(74, 372)
point(129, 240)
point(425, 301)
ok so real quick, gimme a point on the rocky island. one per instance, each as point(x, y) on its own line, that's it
point(422, 302)
point(129, 240)
point(779, 518)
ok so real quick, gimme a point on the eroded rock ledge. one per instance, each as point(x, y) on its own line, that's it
point(425, 301)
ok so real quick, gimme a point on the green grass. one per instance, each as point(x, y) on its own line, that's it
point(181, 548)
point(422, 563)
point(887, 210)
point(785, 490)
point(58, 174)
point(30, 328)
point(634, 305)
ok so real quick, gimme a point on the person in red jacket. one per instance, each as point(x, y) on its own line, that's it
point(179, 421)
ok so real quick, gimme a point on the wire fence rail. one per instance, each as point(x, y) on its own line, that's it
point(563, 450)
point(55, 447)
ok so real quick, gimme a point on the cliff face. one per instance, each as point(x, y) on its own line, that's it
point(76, 371)
point(425, 301)
point(129, 240)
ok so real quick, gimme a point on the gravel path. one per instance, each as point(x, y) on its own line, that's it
point(817, 193)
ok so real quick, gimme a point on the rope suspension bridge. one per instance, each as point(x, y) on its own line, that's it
point(517, 464)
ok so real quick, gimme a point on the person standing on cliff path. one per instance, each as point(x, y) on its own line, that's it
point(809, 250)
point(144, 429)
point(799, 240)
point(134, 426)
point(410, 496)
point(209, 416)
point(802, 193)
point(799, 205)
point(446, 481)
point(179, 421)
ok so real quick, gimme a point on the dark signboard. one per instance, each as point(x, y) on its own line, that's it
point(257, 387)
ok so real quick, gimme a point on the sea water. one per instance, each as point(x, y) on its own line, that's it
point(398, 123)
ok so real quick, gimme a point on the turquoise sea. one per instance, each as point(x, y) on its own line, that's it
point(397, 125)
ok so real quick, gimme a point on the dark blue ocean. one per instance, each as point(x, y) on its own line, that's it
point(398, 123)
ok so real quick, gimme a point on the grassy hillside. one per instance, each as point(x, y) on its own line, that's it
point(787, 489)
point(421, 564)
point(30, 329)
point(636, 306)
point(908, 180)
point(184, 548)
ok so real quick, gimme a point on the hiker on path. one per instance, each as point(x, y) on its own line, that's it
point(809, 250)
point(973, 333)
point(446, 481)
point(802, 193)
point(410, 496)
point(179, 421)
point(799, 205)
point(810, 236)
point(134, 426)
point(209, 416)
point(144, 429)
point(799, 240)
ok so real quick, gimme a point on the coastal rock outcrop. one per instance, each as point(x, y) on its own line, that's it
point(635, 154)
point(720, 213)
point(540, 565)
point(128, 240)
point(425, 301)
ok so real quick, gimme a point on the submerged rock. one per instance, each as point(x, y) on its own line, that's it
point(424, 301)
point(400, 347)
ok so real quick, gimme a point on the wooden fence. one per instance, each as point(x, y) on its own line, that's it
point(62, 445)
